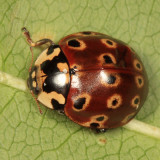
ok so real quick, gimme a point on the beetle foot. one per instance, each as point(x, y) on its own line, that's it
point(100, 130)
point(61, 112)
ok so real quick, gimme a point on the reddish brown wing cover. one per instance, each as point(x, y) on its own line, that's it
point(110, 83)
point(92, 48)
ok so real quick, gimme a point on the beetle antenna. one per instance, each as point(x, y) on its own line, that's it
point(36, 102)
point(31, 60)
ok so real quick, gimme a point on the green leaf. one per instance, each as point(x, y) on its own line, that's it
point(27, 135)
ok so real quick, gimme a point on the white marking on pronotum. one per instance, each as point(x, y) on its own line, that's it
point(133, 125)
point(12, 81)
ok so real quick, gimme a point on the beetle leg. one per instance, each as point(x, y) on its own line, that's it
point(61, 112)
point(36, 102)
point(37, 43)
point(101, 130)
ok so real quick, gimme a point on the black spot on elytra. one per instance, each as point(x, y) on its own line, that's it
point(51, 49)
point(73, 43)
point(138, 65)
point(114, 102)
point(94, 125)
point(109, 42)
point(101, 118)
point(136, 101)
point(56, 105)
point(107, 59)
point(86, 33)
point(78, 104)
point(140, 81)
point(111, 79)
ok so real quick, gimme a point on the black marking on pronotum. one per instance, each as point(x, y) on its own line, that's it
point(78, 104)
point(111, 79)
point(51, 49)
point(107, 59)
point(56, 105)
point(73, 43)
point(51, 85)
point(49, 67)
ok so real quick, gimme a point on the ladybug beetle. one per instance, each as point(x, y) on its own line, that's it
point(98, 81)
